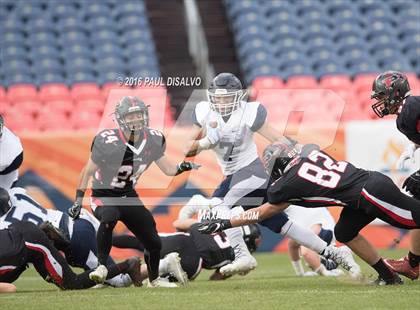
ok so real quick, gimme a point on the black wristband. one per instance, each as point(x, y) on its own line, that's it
point(80, 193)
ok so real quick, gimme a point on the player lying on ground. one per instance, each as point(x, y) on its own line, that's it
point(80, 247)
point(392, 92)
point(194, 250)
point(226, 124)
point(320, 221)
point(23, 243)
point(118, 158)
point(308, 177)
point(11, 156)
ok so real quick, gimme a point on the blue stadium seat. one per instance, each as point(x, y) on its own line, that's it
point(104, 36)
point(15, 66)
point(100, 23)
point(18, 78)
point(78, 64)
point(258, 59)
point(128, 7)
point(47, 65)
point(71, 23)
point(47, 78)
point(81, 77)
point(141, 61)
point(62, 9)
point(76, 50)
point(12, 38)
point(73, 37)
point(29, 10)
point(12, 25)
point(133, 48)
point(364, 66)
point(135, 35)
point(110, 62)
point(14, 52)
point(246, 19)
point(96, 9)
point(133, 22)
point(107, 50)
point(40, 24)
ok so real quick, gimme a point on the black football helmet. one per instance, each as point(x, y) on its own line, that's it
point(277, 156)
point(129, 106)
point(225, 93)
point(252, 236)
point(5, 203)
point(389, 89)
point(1, 125)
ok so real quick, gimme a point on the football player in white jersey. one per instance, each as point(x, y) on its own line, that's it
point(11, 156)
point(81, 233)
point(226, 123)
point(320, 221)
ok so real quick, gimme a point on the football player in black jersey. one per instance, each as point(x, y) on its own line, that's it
point(118, 158)
point(23, 243)
point(195, 250)
point(308, 177)
point(391, 89)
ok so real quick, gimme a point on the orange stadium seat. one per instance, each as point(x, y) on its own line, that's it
point(335, 82)
point(81, 91)
point(106, 88)
point(264, 82)
point(17, 120)
point(2, 93)
point(85, 120)
point(363, 82)
point(64, 105)
point(53, 121)
point(4, 105)
point(54, 91)
point(18, 92)
point(28, 106)
point(90, 105)
point(304, 81)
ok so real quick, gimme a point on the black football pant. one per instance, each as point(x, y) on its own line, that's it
point(380, 198)
point(49, 263)
point(139, 221)
point(181, 243)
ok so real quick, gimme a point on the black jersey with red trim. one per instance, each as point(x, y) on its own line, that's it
point(318, 180)
point(120, 162)
point(12, 248)
point(215, 250)
point(408, 120)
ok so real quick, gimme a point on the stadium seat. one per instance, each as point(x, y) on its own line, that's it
point(92, 105)
point(266, 82)
point(2, 93)
point(335, 82)
point(302, 82)
point(85, 120)
point(47, 121)
point(50, 92)
point(18, 92)
point(28, 106)
point(82, 91)
point(107, 87)
point(19, 121)
point(60, 105)
point(363, 82)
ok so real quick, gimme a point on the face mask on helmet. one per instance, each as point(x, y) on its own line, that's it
point(132, 114)
point(389, 90)
point(5, 203)
point(277, 157)
point(225, 102)
point(252, 236)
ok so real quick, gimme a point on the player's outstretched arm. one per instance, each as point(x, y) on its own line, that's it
point(86, 174)
point(7, 288)
point(171, 170)
point(199, 142)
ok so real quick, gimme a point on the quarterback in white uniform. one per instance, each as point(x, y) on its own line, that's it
point(226, 124)
point(11, 156)
point(81, 232)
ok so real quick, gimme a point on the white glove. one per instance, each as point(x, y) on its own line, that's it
point(212, 138)
point(408, 154)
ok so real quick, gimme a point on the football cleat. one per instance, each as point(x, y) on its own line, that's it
point(241, 265)
point(310, 274)
point(333, 273)
point(160, 282)
point(394, 281)
point(343, 256)
point(134, 271)
point(403, 267)
point(99, 274)
point(175, 269)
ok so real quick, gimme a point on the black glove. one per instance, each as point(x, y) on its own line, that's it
point(412, 184)
point(186, 166)
point(60, 239)
point(74, 211)
point(213, 226)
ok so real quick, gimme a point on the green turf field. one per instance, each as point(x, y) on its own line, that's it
point(271, 286)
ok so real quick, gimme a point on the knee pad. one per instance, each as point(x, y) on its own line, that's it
point(344, 234)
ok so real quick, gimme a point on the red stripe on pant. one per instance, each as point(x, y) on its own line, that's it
point(394, 216)
point(58, 279)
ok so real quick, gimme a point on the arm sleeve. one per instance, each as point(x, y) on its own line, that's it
point(97, 152)
point(260, 118)
point(278, 193)
point(14, 165)
point(410, 120)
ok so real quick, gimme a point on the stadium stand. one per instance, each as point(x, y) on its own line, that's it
point(56, 57)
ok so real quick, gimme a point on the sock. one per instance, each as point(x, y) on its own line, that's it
point(413, 259)
point(104, 240)
point(384, 272)
point(152, 259)
point(303, 236)
point(321, 270)
point(297, 266)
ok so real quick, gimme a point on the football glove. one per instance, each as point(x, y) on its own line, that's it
point(186, 166)
point(60, 239)
point(407, 154)
point(213, 226)
point(412, 184)
point(74, 211)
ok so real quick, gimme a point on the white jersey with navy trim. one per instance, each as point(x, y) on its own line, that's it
point(11, 155)
point(306, 217)
point(236, 148)
point(25, 208)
